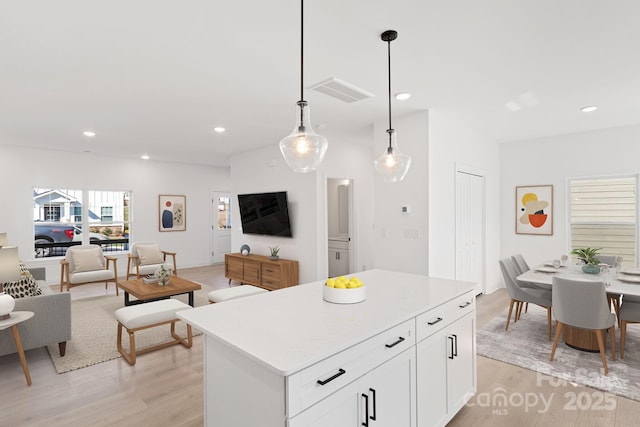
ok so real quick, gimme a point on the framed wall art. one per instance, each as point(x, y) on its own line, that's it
point(172, 212)
point(534, 210)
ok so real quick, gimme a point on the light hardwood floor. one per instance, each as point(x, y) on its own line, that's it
point(165, 388)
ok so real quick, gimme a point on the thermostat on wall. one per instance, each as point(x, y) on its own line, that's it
point(405, 209)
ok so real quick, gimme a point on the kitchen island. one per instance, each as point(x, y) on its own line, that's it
point(403, 357)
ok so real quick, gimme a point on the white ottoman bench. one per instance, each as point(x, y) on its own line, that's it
point(234, 292)
point(148, 315)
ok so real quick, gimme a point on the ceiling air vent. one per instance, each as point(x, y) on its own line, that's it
point(341, 90)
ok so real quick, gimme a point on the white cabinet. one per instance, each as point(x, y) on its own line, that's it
point(404, 357)
point(446, 357)
point(383, 397)
point(338, 258)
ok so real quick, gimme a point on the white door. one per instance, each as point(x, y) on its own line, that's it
point(470, 228)
point(221, 226)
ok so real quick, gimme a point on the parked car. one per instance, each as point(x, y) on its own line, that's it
point(57, 233)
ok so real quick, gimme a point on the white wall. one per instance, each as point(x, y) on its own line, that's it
point(401, 240)
point(264, 170)
point(451, 142)
point(22, 169)
point(553, 161)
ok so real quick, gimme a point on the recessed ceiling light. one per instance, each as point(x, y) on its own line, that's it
point(219, 129)
point(402, 96)
point(89, 133)
point(589, 108)
point(145, 157)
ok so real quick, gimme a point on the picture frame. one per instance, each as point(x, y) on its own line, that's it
point(172, 212)
point(534, 210)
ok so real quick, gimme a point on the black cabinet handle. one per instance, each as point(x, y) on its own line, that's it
point(373, 392)
point(340, 372)
point(455, 340)
point(400, 339)
point(366, 410)
point(439, 319)
point(450, 338)
point(466, 304)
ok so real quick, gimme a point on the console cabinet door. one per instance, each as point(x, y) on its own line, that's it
point(235, 268)
point(251, 272)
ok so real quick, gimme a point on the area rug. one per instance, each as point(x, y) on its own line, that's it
point(526, 344)
point(94, 331)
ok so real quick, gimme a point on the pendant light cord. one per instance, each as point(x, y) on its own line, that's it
point(301, 50)
point(389, 69)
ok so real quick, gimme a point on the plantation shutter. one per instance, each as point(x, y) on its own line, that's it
point(603, 215)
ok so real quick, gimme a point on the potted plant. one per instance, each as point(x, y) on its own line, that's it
point(274, 253)
point(589, 257)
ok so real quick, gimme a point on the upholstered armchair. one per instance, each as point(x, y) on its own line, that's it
point(87, 264)
point(146, 257)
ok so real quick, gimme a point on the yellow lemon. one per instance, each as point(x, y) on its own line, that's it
point(340, 285)
point(353, 283)
point(331, 283)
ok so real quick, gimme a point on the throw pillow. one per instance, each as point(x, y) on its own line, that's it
point(25, 287)
point(149, 254)
point(87, 259)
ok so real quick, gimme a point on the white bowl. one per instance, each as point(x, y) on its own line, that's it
point(344, 296)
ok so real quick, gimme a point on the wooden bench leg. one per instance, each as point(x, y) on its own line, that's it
point(131, 356)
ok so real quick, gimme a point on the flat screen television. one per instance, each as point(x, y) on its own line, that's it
point(265, 213)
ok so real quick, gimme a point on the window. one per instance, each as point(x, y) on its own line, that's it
point(60, 215)
point(603, 214)
point(76, 213)
point(224, 218)
point(106, 213)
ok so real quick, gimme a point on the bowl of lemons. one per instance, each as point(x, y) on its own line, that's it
point(344, 290)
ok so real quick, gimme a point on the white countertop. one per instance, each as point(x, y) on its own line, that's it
point(292, 328)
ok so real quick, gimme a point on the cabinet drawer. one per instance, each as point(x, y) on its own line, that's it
point(437, 318)
point(316, 382)
point(271, 272)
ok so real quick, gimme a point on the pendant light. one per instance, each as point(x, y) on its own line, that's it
point(303, 149)
point(392, 164)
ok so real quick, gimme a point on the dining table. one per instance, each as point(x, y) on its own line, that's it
point(625, 281)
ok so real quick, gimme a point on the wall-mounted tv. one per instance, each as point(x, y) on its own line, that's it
point(265, 213)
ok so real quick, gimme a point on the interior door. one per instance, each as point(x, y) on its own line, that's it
point(221, 226)
point(470, 228)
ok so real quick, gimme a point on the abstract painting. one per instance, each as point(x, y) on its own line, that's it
point(172, 212)
point(534, 210)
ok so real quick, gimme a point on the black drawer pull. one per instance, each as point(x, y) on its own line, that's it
point(340, 372)
point(439, 319)
point(466, 304)
point(400, 339)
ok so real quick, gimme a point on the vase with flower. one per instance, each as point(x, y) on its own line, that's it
point(162, 273)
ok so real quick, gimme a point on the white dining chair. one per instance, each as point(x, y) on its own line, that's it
point(520, 295)
point(629, 313)
point(583, 304)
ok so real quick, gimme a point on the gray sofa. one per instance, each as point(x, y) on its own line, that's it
point(50, 324)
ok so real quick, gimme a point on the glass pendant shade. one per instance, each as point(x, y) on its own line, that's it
point(303, 149)
point(393, 165)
